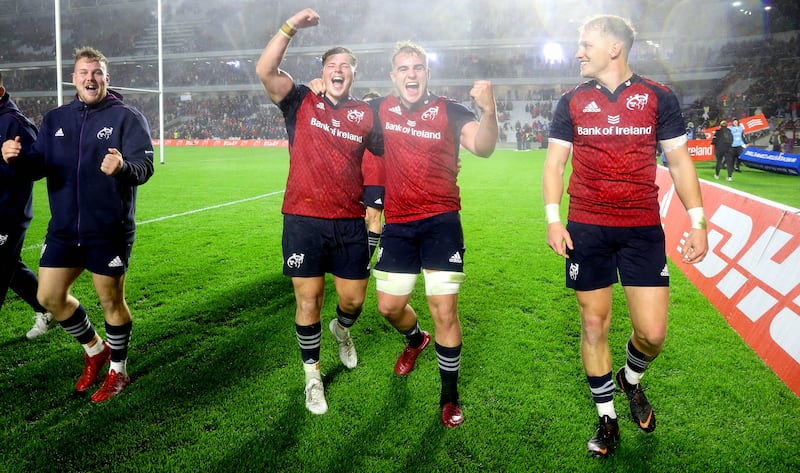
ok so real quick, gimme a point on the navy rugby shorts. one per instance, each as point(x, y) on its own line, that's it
point(315, 246)
point(107, 259)
point(431, 243)
point(636, 254)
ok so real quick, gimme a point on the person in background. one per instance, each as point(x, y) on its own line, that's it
point(738, 145)
point(722, 141)
point(614, 232)
point(16, 212)
point(94, 151)
point(323, 216)
point(777, 140)
point(374, 191)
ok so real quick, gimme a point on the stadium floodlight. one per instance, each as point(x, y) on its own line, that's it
point(553, 53)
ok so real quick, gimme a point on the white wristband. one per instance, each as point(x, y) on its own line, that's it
point(552, 212)
point(697, 217)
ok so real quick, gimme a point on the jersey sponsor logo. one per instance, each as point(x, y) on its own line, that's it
point(614, 130)
point(105, 133)
point(59, 132)
point(637, 101)
point(431, 113)
point(355, 116)
point(591, 108)
point(295, 261)
point(407, 130)
point(613, 119)
point(336, 123)
point(336, 131)
point(319, 124)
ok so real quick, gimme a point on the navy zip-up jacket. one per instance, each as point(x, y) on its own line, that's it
point(88, 207)
point(16, 188)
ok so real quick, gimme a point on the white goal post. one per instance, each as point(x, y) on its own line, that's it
point(160, 91)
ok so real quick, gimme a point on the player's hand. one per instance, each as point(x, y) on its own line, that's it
point(304, 19)
point(112, 162)
point(558, 239)
point(483, 95)
point(12, 149)
point(696, 247)
point(317, 86)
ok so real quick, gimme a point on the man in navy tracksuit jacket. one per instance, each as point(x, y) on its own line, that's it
point(94, 152)
point(16, 192)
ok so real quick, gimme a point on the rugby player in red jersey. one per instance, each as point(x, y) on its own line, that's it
point(611, 125)
point(374, 191)
point(323, 226)
point(420, 135)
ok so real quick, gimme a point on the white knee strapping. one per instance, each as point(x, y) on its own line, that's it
point(439, 283)
point(396, 284)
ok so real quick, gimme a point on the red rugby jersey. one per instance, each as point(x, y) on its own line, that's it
point(614, 136)
point(420, 149)
point(326, 145)
point(373, 169)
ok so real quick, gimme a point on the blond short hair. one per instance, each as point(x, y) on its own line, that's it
point(615, 26)
point(92, 54)
point(407, 47)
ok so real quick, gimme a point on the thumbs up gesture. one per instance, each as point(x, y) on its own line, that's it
point(112, 162)
point(12, 149)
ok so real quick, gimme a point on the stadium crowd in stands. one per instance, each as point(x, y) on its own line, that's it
point(758, 74)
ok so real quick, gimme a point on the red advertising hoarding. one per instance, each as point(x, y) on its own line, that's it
point(752, 271)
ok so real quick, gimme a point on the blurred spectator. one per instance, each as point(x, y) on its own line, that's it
point(764, 74)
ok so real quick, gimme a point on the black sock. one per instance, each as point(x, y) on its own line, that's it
point(119, 338)
point(79, 326)
point(373, 239)
point(449, 359)
point(414, 336)
point(346, 320)
point(309, 337)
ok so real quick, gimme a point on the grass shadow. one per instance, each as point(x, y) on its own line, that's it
point(180, 368)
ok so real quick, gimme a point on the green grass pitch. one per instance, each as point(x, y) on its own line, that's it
point(217, 378)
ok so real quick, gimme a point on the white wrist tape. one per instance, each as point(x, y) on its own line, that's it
point(697, 217)
point(552, 212)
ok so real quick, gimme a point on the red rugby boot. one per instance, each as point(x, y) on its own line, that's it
point(114, 384)
point(407, 359)
point(92, 366)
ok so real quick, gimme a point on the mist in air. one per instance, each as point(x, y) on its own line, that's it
point(680, 34)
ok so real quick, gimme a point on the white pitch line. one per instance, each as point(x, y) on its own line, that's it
point(166, 217)
point(190, 212)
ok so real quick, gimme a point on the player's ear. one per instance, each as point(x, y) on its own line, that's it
point(616, 49)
